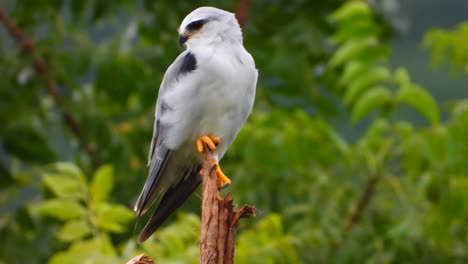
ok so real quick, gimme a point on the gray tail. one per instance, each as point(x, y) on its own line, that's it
point(171, 200)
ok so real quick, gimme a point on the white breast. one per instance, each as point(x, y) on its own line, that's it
point(213, 100)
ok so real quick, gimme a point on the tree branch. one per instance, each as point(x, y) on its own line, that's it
point(242, 12)
point(362, 204)
point(369, 190)
point(219, 220)
point(41, 68)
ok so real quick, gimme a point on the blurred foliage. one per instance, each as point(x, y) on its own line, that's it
point(394, 194)
point(88, 218)
point(449, 44)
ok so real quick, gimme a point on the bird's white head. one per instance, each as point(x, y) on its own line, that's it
point(209, 25)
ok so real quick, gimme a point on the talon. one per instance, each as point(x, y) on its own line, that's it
point(222, 180)
point(210, 142)
point(215, 140)
point(200, 147)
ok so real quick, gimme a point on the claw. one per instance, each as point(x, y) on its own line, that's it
point(209, 141)
point(222, 180)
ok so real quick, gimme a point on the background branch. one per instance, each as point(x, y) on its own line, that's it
point(369, 190)
point(362, 203)
point(242, 12)
point(41, 68)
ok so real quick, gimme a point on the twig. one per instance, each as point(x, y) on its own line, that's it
point(362, 204)
point(369, 191)
point(41, 68)
point(242, 13)
point(219, 220)
point(141, 259)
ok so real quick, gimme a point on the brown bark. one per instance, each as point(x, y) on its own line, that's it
point(219, 220)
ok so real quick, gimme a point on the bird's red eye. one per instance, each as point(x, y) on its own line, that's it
point(196, 25)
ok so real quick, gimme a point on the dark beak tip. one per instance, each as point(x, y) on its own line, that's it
point(182, 39)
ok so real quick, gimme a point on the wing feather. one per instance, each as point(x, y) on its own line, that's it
point(159, 154)
point(172, 200)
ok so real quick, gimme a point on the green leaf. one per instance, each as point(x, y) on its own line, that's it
point(352, 70)
point(113, 217)
point(448, 44)
point(401, 76)
point(352, 49)
point(96, 250)
point(377, 129)
point(74, 230)
point(372, 77)
point(460, 108)
point(404, 129)
point(267, 243)
point(350, 10)
point(369, 101)
point(339, 141)
point(63, 209)
point(437, 40)
point(69, 168)
point(272, 225)
point(65, 186)
point(419, 98)
point(102, 184)
point(356, 28)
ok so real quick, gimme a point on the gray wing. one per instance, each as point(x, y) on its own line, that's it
point(159, 154)
point(172, 199)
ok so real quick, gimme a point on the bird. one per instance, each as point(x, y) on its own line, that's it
point(205, 97)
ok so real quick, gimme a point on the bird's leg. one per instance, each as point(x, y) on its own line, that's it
point(211, 142)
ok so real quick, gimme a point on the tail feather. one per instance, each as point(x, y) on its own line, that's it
point(170, 201)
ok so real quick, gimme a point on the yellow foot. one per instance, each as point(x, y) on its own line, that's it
point(209, 141)
point(222, 180)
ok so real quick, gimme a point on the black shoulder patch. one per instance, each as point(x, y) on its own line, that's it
point(189, 63)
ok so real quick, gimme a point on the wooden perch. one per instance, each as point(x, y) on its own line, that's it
point(219, 220)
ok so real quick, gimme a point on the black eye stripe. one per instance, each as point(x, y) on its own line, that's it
point(196, 25)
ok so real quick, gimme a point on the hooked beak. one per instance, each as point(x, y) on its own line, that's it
point(182, 39)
